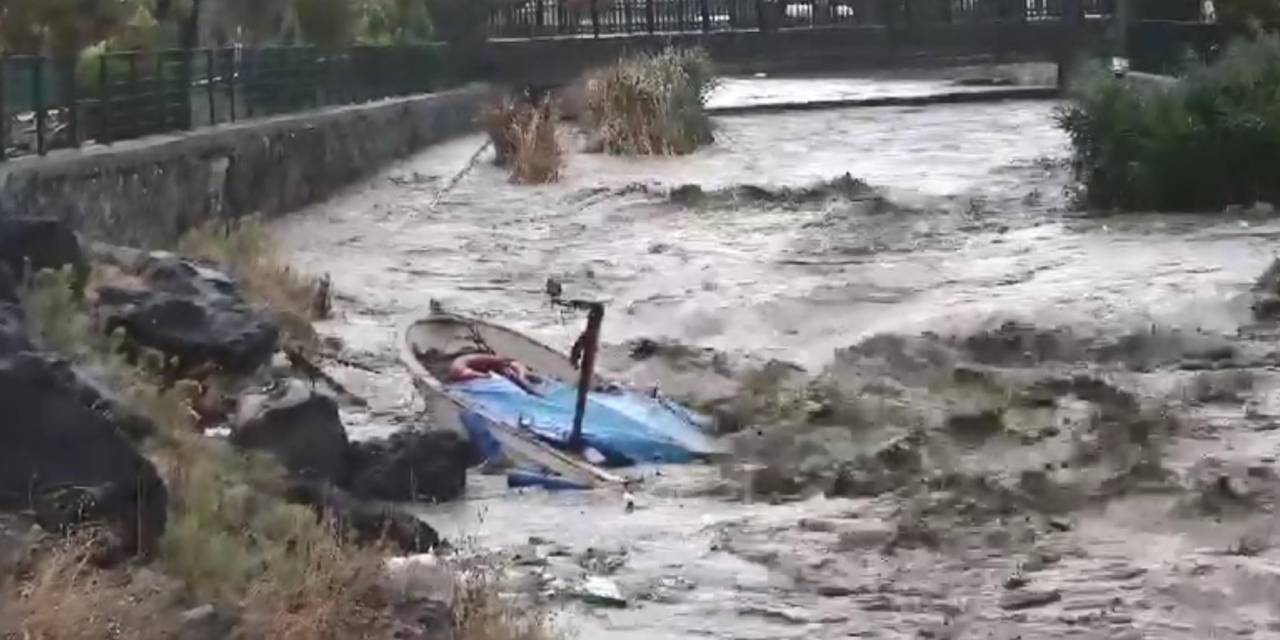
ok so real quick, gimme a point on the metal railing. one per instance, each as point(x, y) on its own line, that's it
point(595, 18)
point(50, 103)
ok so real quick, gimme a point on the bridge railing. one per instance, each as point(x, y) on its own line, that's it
point(523, 19)
point(49, 103)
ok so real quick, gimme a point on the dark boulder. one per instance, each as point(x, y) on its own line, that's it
point(28, 245)
point(430, 465)
point(68, 463)
point(301, 428)
point(370, 521)
point(1266, 291)
point(191, 313)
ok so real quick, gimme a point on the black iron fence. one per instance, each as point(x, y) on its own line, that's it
point(596, 18)
point(49, 103)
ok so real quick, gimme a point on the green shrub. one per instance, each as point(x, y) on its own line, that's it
point(652, 104)
point(1207, 141)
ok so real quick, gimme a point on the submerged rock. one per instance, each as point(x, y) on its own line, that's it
point(72, 464)
point(300, 427)
point(372, 522)
point(429, 466)
point(1266, 290)
point(191, 313)
point(844, 187)
point(28, 245)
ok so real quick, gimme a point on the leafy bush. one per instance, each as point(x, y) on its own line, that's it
point(1210, 140)
point(652, 104)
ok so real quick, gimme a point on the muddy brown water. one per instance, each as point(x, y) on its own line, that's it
point(969, 228)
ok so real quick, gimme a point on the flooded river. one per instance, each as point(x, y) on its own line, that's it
point(960, 223)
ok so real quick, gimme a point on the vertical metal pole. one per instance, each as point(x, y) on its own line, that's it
point(1069, 36)
point(208, 84)
point(231, 69)
point(104, 102)
point(131, 105)
point(706, 16)
point(595, 18)
point(38, 97)
point(539, 19)
point(4, 112)
point(1123, 19)
point(626, 11)
point(73, 104)
point(161, 95)
point(651, 16)
point(590, 345)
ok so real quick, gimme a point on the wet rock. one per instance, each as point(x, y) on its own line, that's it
point(13, 326)
point(208, 622)
point(976, 426)
point(371, 521)
point(1266, 290)
point(69, 462)
point(601, 591)
point(897, 463)
point(1017, 344)
point(602, 561)
point(836, 591)
point(416, 578)
point(865, 534)
point(191, 313)
point(300, 427)
point(17, 540)
point(429, 466)
point(28, 245)
point(1028, 599)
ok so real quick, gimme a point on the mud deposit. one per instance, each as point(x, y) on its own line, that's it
point(960, 410)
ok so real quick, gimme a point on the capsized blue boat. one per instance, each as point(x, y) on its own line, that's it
point(625, 427)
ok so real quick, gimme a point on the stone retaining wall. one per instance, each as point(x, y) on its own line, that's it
point(147, 192)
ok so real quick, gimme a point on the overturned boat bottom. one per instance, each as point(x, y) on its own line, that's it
point(528, 430)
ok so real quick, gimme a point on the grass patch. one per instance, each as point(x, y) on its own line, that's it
point(230, 538)
point(66, 598)
point(245, 249)
point(525, 139)
point(1208, 141)
point(652, 104)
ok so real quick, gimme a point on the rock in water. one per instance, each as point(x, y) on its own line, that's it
point(191, 313)
point(1266, 290)
point(1028, 599)
point(69, 462)
point(300, 427)
point(13, 327)
point(371, 521)
point(28, 245)
point(429, 466)
point(601, 591)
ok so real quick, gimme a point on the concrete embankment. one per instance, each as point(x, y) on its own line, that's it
point(147, 192)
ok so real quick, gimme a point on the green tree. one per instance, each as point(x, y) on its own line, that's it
point(254, 22)
point(61, 27)
point(1249, 14)
point(328, 24)
point(395, 22)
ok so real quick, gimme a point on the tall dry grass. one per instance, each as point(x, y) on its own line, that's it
point(652, 104)
point(65, 597)
point(526, 140)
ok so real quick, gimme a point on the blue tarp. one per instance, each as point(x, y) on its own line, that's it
point(625, 427)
